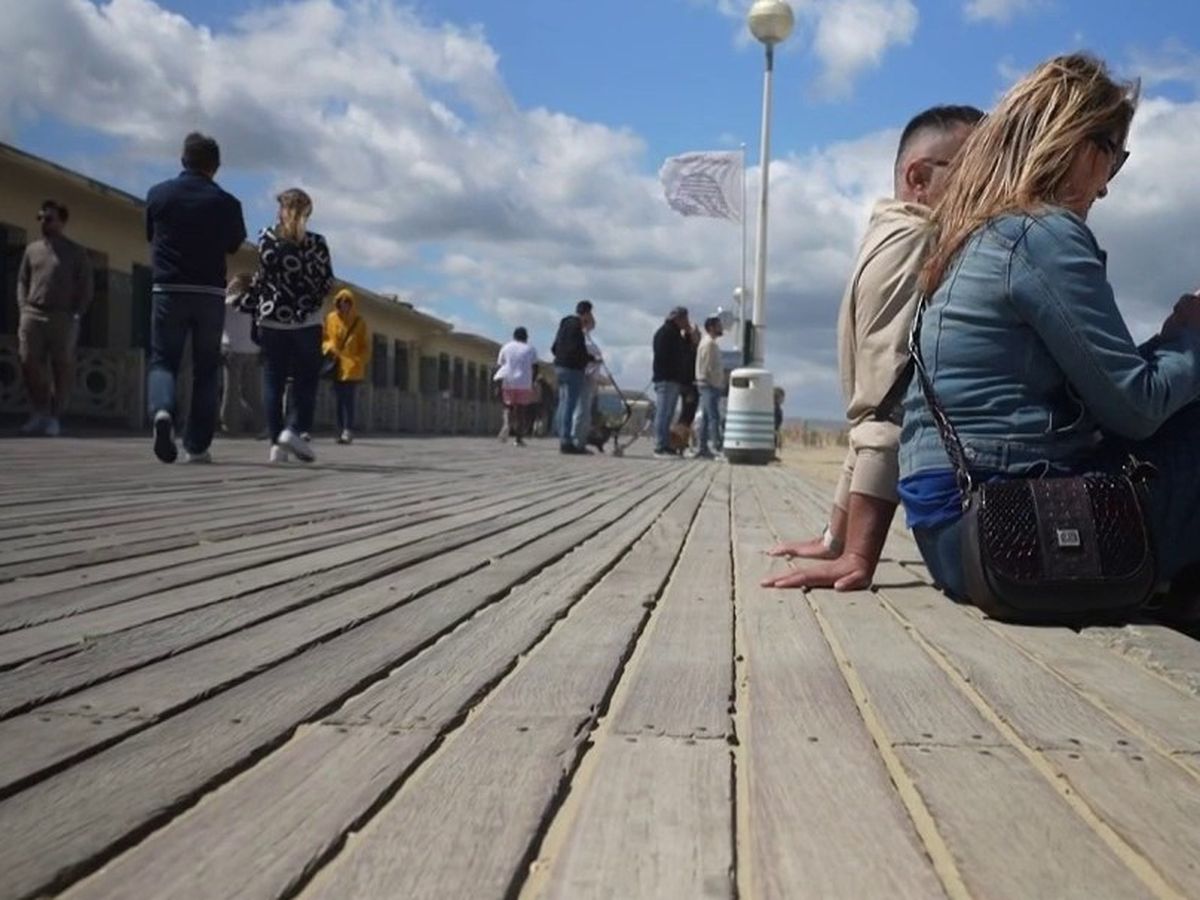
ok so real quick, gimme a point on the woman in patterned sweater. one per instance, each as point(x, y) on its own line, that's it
point(294, 275)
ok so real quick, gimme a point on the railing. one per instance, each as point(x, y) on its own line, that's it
point(110, 387)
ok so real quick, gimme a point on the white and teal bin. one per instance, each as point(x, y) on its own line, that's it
point(750, 417)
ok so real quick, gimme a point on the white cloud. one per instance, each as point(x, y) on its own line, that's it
point(849, 37)
point(417, 155)
point(1000, 11)
point(1172, 63)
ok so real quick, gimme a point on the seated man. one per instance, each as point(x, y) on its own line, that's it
point(873, 325)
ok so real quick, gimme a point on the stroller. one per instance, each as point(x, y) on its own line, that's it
point(608, 426)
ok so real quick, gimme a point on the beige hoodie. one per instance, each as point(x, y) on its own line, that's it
point(873, 325)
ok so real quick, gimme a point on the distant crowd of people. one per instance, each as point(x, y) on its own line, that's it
point(268, 320)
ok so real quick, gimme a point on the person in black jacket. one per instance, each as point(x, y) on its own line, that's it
point(570, 360)
point(192, 225)
point(674, 367)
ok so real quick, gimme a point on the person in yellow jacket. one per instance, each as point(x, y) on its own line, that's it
point(347, 345)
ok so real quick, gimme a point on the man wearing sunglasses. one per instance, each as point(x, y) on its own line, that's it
point(54, 291)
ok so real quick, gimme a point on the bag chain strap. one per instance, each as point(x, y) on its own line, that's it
point(946, 430)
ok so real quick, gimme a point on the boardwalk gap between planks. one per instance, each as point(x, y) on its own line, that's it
point(443, 668)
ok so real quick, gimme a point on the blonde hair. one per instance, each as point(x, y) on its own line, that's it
point(1018, 159)
point(295, 206)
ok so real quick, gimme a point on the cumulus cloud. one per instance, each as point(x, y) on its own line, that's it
point(848, 37)
point(1000, 11)
point(425, 170)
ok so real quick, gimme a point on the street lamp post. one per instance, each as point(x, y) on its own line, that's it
point(750, 407)
point(770, 21)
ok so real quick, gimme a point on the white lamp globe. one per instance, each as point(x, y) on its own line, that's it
point(771, 21)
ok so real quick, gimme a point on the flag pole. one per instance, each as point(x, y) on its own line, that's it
point(741, 327)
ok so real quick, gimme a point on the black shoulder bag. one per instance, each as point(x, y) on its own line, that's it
point(1052, 549)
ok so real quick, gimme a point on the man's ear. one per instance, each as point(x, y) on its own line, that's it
point(917, 176)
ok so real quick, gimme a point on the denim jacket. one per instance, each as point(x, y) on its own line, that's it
point(1031, 358)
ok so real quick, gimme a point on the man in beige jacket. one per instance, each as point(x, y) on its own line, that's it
point(876, 315)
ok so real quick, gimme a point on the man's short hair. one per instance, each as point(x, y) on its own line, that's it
point(712, 322)
point(520, 334)
point(59, 209)
point(583, 307)
point(677, 312)
point(936, 118)
point(201, 153)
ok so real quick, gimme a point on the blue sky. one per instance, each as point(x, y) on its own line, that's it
point(494, 161)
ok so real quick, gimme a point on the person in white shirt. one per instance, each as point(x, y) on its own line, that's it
point(239, 358)
point(515, 374)
point(710, 379)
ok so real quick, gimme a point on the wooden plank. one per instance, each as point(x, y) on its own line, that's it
point(468, 821)
point(1141, 701)
point(658, 823)
point(114, 654)
point(61, 730)
point(80, 817)
point(221, 849)
point(1010, 842)
point(1162, 650)
point(814, 783)
point(111, 582)
point(267, 825)
point(682, 684)
point(348, 562)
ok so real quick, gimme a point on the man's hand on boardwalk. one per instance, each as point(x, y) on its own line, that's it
point(849, 572)
point(813, 549)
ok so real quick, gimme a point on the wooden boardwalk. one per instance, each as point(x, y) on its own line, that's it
point(448, 668)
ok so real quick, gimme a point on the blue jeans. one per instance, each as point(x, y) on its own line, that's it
point(710, 425)
point(570, 386)
point(290, 353)
point(1172, 503)
point(343, 393)
point(172, 318)
point(583, 412)
point(666, 396)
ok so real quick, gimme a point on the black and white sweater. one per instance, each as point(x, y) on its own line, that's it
point(292, 280)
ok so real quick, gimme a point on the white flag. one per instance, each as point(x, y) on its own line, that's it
point(704, 184)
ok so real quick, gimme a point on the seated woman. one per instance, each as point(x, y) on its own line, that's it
point(1022, 338)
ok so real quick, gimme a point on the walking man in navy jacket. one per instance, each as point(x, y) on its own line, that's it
point(192, 226)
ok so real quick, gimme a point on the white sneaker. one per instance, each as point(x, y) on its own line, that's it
point(346, 437)
point(297, 444)
point(35, 424)
point(279, 454)
point(204, 457)
point(53, 427)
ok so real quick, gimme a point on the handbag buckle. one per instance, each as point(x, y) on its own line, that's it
point(1068, 538)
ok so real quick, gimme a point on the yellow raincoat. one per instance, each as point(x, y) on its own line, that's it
point(348, 338)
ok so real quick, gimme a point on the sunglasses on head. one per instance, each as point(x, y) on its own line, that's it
point(1119, 154)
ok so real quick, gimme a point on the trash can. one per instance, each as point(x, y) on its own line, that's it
point(750, 417)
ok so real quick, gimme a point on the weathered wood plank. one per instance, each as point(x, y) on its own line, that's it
point(658, 824)
point(128, 703)
point(242, 855)
point(993, 811)
point(335, 558)
point(114, 654)
point(468, 821)
point(78, 818)
point(814, 782)
point(1159, 649)
point(682, 684)
point(167, 856)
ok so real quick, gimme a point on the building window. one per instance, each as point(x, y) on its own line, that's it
point(472, 381)
point(428, 376)
point(487, 388)
point(142, 285)
point(400, 365)
point(12, 248)
point(457, 391)
point(443, 382)
point(379, 361)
